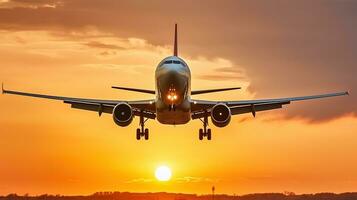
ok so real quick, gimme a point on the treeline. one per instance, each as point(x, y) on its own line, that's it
point(176, 196)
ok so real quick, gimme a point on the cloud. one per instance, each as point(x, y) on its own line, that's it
point(185, 179)
point(31, 4)
point(140, 180)
point(220, 77)
point(227, 73)
point(192, 179)
point(100, 45)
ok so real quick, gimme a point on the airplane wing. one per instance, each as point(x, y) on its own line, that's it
point(134, 89)
point(97, 105)
point(194, 92)
point(253, 106)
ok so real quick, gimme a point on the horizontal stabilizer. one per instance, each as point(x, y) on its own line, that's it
point(135, 90)
point(213, 90)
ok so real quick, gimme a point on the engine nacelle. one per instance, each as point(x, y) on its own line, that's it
point(123, 114)
point(221, 115)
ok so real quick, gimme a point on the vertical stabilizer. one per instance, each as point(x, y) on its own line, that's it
point(175, 44)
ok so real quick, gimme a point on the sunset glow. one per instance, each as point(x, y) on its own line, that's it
point(81, 48)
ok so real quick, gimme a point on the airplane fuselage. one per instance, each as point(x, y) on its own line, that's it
point(173, 89)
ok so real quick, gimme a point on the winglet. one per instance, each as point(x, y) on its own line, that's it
point(175, 42)
point(2, 88)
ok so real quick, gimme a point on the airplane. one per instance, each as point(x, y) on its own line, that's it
point(172, 104)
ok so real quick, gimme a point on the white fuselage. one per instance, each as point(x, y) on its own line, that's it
point(173, 89)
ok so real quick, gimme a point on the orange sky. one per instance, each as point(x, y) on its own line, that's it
point(46, 147)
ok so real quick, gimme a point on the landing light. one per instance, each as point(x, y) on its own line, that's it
point(171, 97)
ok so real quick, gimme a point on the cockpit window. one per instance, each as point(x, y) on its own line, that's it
point(173, 62)
point(168, 62)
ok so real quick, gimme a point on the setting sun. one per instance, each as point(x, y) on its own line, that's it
point(163, 173)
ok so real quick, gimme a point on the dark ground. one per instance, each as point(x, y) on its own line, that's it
point(175, 196)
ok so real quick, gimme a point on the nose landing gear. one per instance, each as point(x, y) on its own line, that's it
point(172, 107)
point(205, 132)
point(142, 132)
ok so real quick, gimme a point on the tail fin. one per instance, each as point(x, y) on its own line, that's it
point(175, 44)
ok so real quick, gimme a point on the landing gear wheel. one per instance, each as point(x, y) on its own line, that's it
point(200, 134)
point(138, 134)
point(209, 135)
point(146, 134)
point(142, 131)
point(205, 132)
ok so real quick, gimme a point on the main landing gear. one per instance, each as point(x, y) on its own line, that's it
point(205, 132)
point(142, 132)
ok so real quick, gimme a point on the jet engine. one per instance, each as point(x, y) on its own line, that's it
point(221, 115)
point(122, 114)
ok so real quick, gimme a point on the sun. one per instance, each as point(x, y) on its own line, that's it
point(163, 173)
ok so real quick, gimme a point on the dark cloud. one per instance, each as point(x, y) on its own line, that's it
point(287, 48)
point(100, 45)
